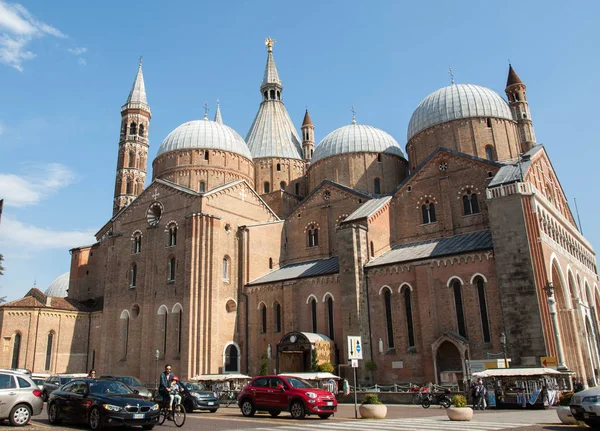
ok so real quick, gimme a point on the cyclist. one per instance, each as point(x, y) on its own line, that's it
point(175, 390)
point(165, 383)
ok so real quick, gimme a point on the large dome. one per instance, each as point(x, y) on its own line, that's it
point(455, 102)
point(204, 134)
point(356, 138)
point(59, 287)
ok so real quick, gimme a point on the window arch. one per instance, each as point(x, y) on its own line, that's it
point(409, 317)
point(16, 350)
point(313, 314)
point(231, 358)
point(277, 309)
point(458, 303)
point(267, 187)
point(330, 326)
point(132, 159)
point(279, 166)
point(133, 129)
point(428, 211)
point(201, 187)
point(133, 275)
point(230, 306)
point(49, 348)
point(377, 186)
point(226, 268)
point(313, 236)
point(137, 242)
point(470, 203)
point(387, 302)
point(141, 130)
point(485, 323)
point(124, 333)
point(172, 266)
point(172, 234)
point(263, 319)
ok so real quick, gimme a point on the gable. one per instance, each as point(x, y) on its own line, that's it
point(240, 200)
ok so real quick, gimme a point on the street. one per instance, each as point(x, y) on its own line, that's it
point(399, 417)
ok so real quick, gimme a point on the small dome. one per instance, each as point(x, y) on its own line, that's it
point(356, 138)
point(59, 287)
point(204, 134)
point(455, 102)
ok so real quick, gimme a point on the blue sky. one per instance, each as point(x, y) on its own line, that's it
point(66, 67)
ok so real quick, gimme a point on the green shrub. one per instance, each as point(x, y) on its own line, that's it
point(327, 367)
point(565, 398)
point(264, 365)
point(371, 399)
point(459, 401)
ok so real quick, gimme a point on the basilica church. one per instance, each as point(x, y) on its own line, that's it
point(458, 246)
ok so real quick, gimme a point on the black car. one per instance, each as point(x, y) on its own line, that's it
point(196, 397)
point(101, 403)
point(55, 381)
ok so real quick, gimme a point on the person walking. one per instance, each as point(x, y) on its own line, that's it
point(479, 395)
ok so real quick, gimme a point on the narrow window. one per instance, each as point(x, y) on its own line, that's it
point(313, 314)
point(165, 321)
point(201, 187)
point(266, 95)
point(133, 281)
point(282, 185)
point(93, 359)
point(141, 130)
point(409, 318)
point(132, 129)
point(470, 203)
point(267, 187)
point(278, 166)
point(179, 330)
point(172, 236)
point(432, 212)
point(263, 319)
point(132, 159)
point(458, 302)
point(129, 188)
point(387, 297)
point(466, 205)
point(474, 203)
point(330, 316)
point(172, 269)
point(297, 189)
point(372, 249)
point(225, 269)
point(278, 317)
point(428, 212)
point(49, 342)
point(206, 156)
point(16, 351)
point(137, 243)
point(489, 123)
point(278, 95)
point(313, 236)
point(377, 186)
point(379, 157)
point(485, 324)
point(272, 94)
point(489, 153)
point(270, 263)
point(124, 335)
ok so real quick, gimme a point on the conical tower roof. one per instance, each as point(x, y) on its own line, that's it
point(272, 133)
point(218, 118)
point(137, 95)
point(513, 78)
point(307, 121)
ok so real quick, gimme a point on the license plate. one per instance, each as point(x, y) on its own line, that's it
point(329, 403)
point(211, 403)
point(139, 416)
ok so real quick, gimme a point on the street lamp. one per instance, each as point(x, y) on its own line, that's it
point(503, 342)
point(157, 355)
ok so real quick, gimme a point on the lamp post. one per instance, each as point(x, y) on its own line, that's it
point(157, 355)
point(503, 342)
point(549, 289)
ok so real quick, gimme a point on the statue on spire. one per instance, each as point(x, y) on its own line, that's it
point(269, 42)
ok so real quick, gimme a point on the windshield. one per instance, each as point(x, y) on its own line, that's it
point(65, 380)
point(298, 383)
point(195, 387)
point(128, 380)
point(107, 387)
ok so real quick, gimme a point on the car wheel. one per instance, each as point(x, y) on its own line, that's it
point(213, 410)
point(297, 410)
point(54, 414)
point(325, 416)
point(95, 419)
point(275, 413)
point(189, 406)
point(247, 408)
point(20, 415)
point(148, 426)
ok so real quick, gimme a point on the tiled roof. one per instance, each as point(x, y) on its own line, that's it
point(481, 240)
point(368, 208)
point(311, 268)
point(36, 299)
point(513, 78)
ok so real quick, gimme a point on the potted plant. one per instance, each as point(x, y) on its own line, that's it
point(564, 411)
point(459, 411)
point(372, 408)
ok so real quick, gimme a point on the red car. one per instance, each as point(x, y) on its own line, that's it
point(275, 394)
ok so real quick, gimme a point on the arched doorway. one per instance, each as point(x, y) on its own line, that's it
point(449, 353)
point(295, 351)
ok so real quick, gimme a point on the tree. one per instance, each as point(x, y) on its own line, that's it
point(314, 364)
point(264, 365)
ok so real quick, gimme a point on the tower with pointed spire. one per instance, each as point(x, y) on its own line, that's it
point(517, 98)
point(133, 145)
point(308, 137)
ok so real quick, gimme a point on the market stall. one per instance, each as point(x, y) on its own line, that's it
point(225, 386)
point(326, 381)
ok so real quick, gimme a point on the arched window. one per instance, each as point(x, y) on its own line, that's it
point(313, 314)
point(172, 238)
point(267, 187)
point(278, 166)
point(313, 236)
point(282, 185)
point(458, 303)
point(485, 324)
point(133, 276)
point(387, 299)
point(172, 265)
point(377, 186)
point(470, 203)
point(372, 249)
point(133, 129)
point(270, 263)
point(141, 130)
point(489, 152)
point(132, 159)
point(124, 333)
point(179, 329)
point(409, 318)
point(201, 187)
point(49, 345)
point(129, 187)
point(206, 156)
point(225, 268)
point(137, 243)
point(164, 330)
point(428, 210)
point(263, 319)
point(272, 94)
point(266, 95)
point(16, 350)
point(277, 317)
point(231, 358)
point(330, 317)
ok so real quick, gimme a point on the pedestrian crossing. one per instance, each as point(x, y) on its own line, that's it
point(432, 424)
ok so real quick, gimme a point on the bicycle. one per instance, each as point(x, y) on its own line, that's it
point(227, 398)
point(178, 413)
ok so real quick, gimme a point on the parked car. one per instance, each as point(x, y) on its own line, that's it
point(278, 393)
point(100, 403)
point(585, 406)
point(197, 397)
point(39, 379)
point(20, 398)
point(55, 381)
point(133, 382)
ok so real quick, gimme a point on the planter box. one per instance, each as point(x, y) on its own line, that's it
point(459, 413)
point(372, 411)
point(565, 416)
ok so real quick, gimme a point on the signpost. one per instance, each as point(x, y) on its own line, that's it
point(548, 361)
point(354, 354)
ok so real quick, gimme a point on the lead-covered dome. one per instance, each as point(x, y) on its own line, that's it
point(356, 138)
point(204, 134)
point(455, 102)
point(59, 287)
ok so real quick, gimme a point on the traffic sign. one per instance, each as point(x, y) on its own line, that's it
point(549, 361)
point(354, 363)
point(354, 347)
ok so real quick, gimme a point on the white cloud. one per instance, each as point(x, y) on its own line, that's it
point(77, 51)
point(20, 236)
point(22, 191)
point(17, 28)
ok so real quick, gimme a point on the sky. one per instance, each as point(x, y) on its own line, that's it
point(66, 68)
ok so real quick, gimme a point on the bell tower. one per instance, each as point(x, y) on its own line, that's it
point(308, 137)
point(517, 98)
point(133, 145)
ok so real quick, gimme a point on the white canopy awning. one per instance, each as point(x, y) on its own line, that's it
point(311, 376)
point(221, 377)
point(516, 372)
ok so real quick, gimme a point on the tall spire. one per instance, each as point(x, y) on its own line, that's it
point(516, 91)
point(513, 78)
point(138, 90)
point(271, 77)
point(218, 118)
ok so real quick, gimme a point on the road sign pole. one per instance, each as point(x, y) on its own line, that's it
point(355, 401)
